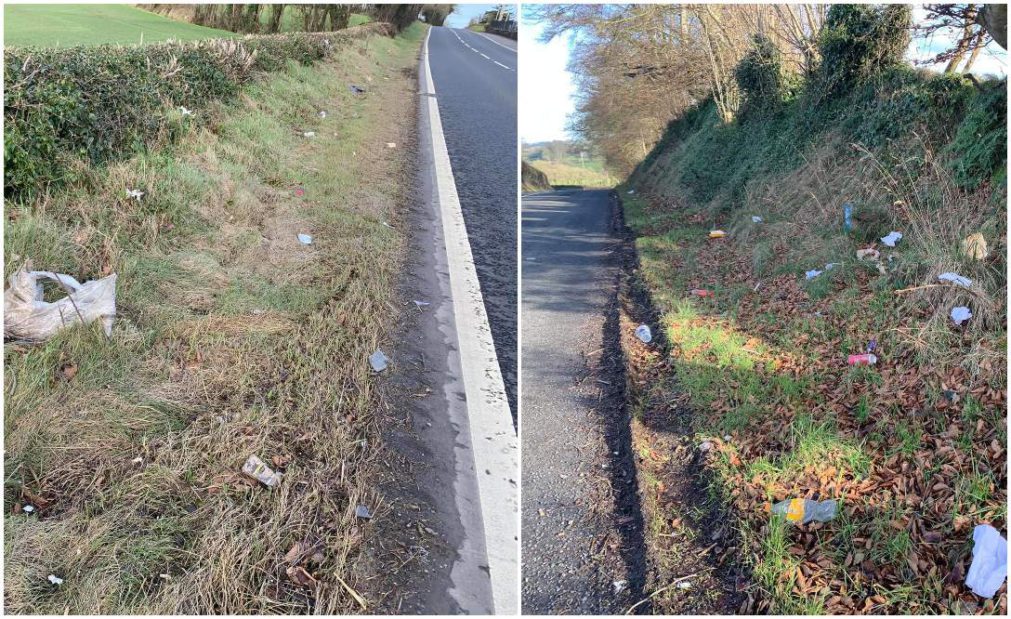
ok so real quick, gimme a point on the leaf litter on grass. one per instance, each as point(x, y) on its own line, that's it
point(913, 449)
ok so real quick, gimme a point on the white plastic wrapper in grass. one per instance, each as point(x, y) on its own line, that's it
point(378, 361)
point(643, 333)
point(361, 511)
point(28, 317)
point(955, 278)
point(185, 111)
point(892, 238)
point(258, 470)
point(305, 239)
point(56, 580)
point(960, 314)
point(755, 219)
point(989, 561)
point(813, 273)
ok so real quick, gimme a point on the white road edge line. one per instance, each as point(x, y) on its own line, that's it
point(494, 443)
point(502, 45)
point(501, 65)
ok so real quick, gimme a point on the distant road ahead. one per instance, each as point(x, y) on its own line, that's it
point(475, 83)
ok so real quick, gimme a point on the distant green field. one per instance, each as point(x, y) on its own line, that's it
point(65, 25)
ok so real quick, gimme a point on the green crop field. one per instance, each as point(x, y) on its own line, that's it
point(65, 25)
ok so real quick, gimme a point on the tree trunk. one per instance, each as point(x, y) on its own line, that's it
point(978, 43)
point(993, 17)
point(963, 43)
point(276, 13)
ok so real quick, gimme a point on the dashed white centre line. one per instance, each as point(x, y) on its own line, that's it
point(483, 55)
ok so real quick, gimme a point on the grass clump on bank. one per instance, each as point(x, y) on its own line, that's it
point(914, 447)
point(534, 179)
point(231, 339)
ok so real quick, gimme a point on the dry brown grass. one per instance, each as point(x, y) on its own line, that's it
point(233, 339)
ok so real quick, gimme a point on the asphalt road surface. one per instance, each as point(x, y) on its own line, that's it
point(475, 79)
point(568, 274)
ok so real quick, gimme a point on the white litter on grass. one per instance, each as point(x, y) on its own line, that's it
point(756, 219)
point(989, 561)
point(138, 460)
point(960, 314)
point(643, 333)
point(705, 446)
point(28, 509)
point(322, 114)
point(391, 145)
point(421, 304)
point(305, 239)
point(631, 191)
point(813, 273)
point(185, 111)
point(136, 194)
point(363, 512)
point(803, 511)
point(378, 361)
point(619, 586)
point(892, 238)
point(258, 470)
point(955, 278)
point(387, 224)
point(309, 134)
point(28, 316)
point(56, 580)
point(684, 585)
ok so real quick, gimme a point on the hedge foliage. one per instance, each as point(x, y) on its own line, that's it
point(96, 104)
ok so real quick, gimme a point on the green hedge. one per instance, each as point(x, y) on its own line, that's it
point(96, 104)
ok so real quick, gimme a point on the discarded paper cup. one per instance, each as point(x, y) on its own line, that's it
point(862, 359)
point(643, 333)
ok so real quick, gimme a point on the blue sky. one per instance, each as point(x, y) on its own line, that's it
point(463, 13)
point(546, 85)
point(547, 88)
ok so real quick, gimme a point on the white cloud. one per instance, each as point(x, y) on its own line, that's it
point(546, 86)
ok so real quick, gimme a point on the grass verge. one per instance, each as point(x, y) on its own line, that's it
point(232, 339)
point(914, 448)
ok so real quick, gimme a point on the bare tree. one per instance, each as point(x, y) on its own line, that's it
point(966, 22)
point(640, 66)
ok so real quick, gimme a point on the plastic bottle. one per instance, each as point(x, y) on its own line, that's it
point(803, 511)
point(862, 359)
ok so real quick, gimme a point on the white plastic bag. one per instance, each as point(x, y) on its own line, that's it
point(989, 561)
point(28, 317)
